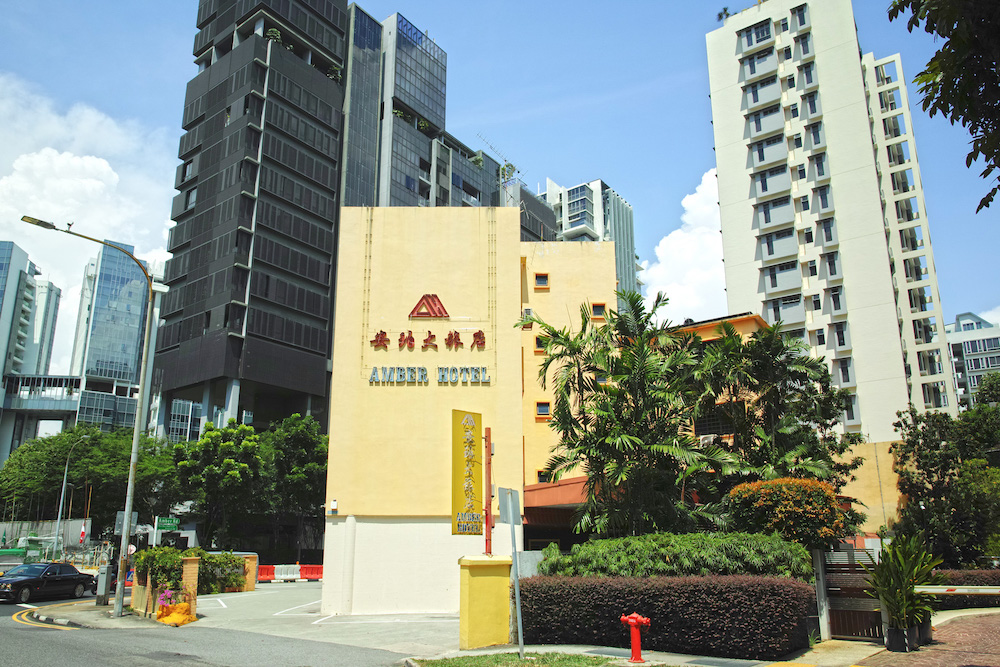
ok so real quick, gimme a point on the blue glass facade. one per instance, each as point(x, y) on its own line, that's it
point(114, 348)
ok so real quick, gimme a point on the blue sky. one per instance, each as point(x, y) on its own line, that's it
point(91, 98)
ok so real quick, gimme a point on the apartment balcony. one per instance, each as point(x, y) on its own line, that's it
point(771, 216)
point(790, 313)
point(469, 200)
point(777, 282)
point(773, 249)
point(766, 186)
point(753, 40)
point(759, 66)
point(762, 124)
point(757, 97)
point(762, 155)
point(810, 109)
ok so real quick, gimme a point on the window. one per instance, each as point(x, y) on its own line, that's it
point(794, 109)
point(797, 140)
point(783, 25)
point(803, 43)
point(835, 298)
point(801, 171)
point(188, 170)
point(542, 410)
point(810, 100)
point(787, 53)
point(845, 370)
point(820, 337)
point(827, 226)
point(790, 82)
point(807, 72)
point(817, 303)
point(190, 198)
point(824, 197)
point(850, 408)
point(812, 263)
point(819, 163)
point(841, 334)
point(762, 31)
point(544, 477)
point(831, 264)
point(804, 202)
point(799, 13)
point(541, 281)
point(597, 311)
point(814, 130)
point(539, 344)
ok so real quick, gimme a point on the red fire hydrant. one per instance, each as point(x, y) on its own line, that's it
point(635, 622)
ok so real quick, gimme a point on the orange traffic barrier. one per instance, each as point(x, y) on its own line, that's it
point(311, 572)
point(265, 573)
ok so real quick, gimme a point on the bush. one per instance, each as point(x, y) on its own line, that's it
point(803, 510)
point(761, 618)
point(216, 572)
point(162, 565)
point(969, 578)
point(668, 554)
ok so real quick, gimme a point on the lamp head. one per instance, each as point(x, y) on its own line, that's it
point(35, 221)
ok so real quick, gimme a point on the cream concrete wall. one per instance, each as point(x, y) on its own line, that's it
point(579, 273)
point(389, 548)
point(875, 485)
point(863, 256)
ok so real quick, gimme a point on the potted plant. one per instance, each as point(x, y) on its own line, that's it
point(903, 564)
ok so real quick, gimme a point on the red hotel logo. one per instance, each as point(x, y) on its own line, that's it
point(429, 306)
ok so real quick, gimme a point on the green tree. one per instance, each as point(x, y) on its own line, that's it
point(961, 81)
point(31, 479)
point(989, 388)
point(227, 474)
point(781, 403)
point(299, 452)
point(621, 410)
point(949, 489)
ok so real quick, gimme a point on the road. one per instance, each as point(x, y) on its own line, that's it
point(26, 644)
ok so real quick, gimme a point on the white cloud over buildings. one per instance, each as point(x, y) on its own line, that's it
point(688, 266)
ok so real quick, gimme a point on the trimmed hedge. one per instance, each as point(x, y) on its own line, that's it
point(969, 578)
point(761, 618)
point(668, 554)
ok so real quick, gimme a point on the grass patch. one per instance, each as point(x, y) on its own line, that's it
point(531, 659)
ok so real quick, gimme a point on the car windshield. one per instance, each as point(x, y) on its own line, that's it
point(32, 570)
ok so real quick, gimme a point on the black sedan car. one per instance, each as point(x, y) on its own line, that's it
point(36, 580)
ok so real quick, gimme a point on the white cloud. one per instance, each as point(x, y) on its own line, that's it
point(688, 266)
point(112, 178)
point(992, 315)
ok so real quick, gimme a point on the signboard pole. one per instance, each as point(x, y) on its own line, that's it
point(156, 524)
point(488, 495)
point(511, 513)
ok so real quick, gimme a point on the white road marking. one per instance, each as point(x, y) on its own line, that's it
point(297, 607)
point(26, 606)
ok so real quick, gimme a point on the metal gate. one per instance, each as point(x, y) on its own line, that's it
point(852, 613)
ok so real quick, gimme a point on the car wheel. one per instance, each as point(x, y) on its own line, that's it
point(24, 595)
point(78, 591)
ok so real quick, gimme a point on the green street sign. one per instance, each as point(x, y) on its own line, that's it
point(167, 523)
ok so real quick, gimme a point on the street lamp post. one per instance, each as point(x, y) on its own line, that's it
point(62, 496)
point(137, 428)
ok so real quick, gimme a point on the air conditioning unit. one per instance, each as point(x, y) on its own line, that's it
point(706, 439)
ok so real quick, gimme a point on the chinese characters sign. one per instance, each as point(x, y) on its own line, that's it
point(466, 473)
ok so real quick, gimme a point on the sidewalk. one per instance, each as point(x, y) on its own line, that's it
point(965, 637)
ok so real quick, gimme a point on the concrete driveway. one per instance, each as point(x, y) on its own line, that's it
point(293, 610)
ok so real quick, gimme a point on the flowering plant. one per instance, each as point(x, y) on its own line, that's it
point(167, 598)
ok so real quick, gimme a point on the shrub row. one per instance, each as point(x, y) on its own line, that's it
point(969, 578)
point(216, 572)
point(725, 616)
point(667, 554)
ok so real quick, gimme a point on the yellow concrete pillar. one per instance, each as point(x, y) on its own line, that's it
point(484, 609)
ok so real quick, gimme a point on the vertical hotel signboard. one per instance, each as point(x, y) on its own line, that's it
point(466, 473)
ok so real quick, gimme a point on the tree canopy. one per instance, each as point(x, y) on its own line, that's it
point(627, 392)
point(961, 81)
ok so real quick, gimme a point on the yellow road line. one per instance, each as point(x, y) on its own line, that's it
point(23, 617)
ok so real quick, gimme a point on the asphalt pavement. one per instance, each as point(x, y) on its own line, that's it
point(292, 611)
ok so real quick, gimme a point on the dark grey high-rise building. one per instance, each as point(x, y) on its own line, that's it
point(247, 320)
point(300, 106)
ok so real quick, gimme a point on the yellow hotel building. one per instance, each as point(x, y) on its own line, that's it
point(427, 299)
